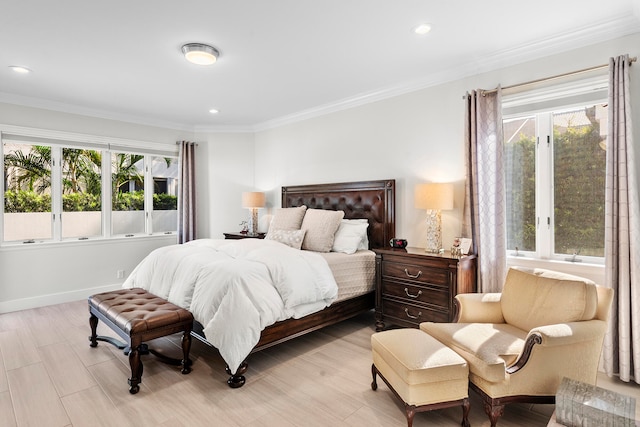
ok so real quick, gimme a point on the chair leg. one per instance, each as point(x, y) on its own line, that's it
point(494, 412)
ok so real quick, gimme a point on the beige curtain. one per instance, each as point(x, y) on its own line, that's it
point(187, 196)
point(621, 353)
point(484, 210)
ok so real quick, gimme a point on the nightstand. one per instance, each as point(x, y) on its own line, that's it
point(238, 236)
point(413, 286)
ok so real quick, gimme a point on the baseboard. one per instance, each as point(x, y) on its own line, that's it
point(50, 299)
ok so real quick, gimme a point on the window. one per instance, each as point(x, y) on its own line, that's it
point(164, 172)
point(555, 169)
point(81, 193)
point(27, 192)
point(55, 188)
point(127, 195)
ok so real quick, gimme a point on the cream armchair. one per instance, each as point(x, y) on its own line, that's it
point(520, 344)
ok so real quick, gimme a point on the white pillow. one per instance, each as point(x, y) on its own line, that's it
point(321, 226)
point(351, 236)
point(291, 238)
point(288, 218)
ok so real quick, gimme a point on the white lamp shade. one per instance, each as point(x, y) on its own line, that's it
point(253, 199)
point(434, 195)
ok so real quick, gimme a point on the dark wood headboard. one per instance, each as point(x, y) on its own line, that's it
point(373, 200)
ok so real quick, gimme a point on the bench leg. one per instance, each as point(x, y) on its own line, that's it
point(374, 383)
point(93, 322)
point(136, 369)
point(466, 407)
point(186, 348)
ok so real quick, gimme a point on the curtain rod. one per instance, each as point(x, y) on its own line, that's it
point(558, 76)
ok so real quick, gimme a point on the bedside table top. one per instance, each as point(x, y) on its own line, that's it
point(413, 251)
point(239, 235)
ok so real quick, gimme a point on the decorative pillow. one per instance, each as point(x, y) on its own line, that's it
point(321, 226)
point(288, 218)
point(291, 238)
point(529, 300)
point(351, 236)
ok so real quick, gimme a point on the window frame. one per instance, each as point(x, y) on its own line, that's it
point(58, 140)
point(542, 104)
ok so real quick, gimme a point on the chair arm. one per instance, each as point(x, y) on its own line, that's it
point(561, 334)
point(478, 308)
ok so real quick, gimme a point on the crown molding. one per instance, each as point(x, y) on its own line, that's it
point(618, 27)
point(62, 107)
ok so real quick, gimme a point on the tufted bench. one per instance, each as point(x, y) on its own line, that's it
point(138, 316)
point(420, 371)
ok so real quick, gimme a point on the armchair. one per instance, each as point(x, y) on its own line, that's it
point(520, 343)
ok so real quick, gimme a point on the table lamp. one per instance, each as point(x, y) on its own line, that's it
point(434, 197)
point(253, 200)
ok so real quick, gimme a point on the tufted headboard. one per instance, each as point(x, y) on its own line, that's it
point(373, 200)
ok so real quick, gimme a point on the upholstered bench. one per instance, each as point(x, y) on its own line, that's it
point(138, 316)
point(420, 371)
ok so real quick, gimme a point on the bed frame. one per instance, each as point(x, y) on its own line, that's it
point(373, 200)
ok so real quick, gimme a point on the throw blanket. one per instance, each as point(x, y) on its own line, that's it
point(236, 288)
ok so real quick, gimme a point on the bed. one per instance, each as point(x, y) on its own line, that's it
point(370, 200)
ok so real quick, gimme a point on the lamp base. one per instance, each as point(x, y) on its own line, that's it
point(254, 221)
point(434, 231)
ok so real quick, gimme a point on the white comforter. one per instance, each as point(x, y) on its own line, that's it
point(236, 288)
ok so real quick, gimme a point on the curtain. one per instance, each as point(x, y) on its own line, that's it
point(484, 207)
point(621, 353)
point(187, 196)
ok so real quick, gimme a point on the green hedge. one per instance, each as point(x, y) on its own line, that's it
point(30, 201)
point(26, 201)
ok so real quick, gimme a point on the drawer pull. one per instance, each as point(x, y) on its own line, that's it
point(406, 291)
point(412, 276)
point(406, 311)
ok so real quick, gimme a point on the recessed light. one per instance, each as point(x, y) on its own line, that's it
point(214, 111)
point(422, 29)
point(200, 54)
point(19, 69)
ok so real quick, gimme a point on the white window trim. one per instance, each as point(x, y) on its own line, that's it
point(593, 90)
point(61, 139)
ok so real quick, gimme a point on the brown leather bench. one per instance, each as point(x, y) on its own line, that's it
point(138, 316)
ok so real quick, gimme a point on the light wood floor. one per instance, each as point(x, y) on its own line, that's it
point(51, 377)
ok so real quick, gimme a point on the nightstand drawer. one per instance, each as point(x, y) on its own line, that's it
point(413, 314)
point(417, 294)
point(414, 286)
point(416, 273)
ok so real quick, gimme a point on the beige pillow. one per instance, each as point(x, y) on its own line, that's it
point(320, 226)
point(291, 238)
point(288, 218)
point(529, 300)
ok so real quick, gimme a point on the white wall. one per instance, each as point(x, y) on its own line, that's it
point(414, 138)
point(225, 168)
point(40, 274)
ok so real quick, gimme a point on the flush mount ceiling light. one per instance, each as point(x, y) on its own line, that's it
point(19, 69)
point(422, 29)
point(200, 54)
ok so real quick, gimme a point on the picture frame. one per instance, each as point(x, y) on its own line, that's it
point(465, 245)
point(461, 246)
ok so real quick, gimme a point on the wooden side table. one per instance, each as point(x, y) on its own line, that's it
point(414, 286)
point(238, 236)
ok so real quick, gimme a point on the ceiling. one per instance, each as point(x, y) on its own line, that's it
point(280, 60)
